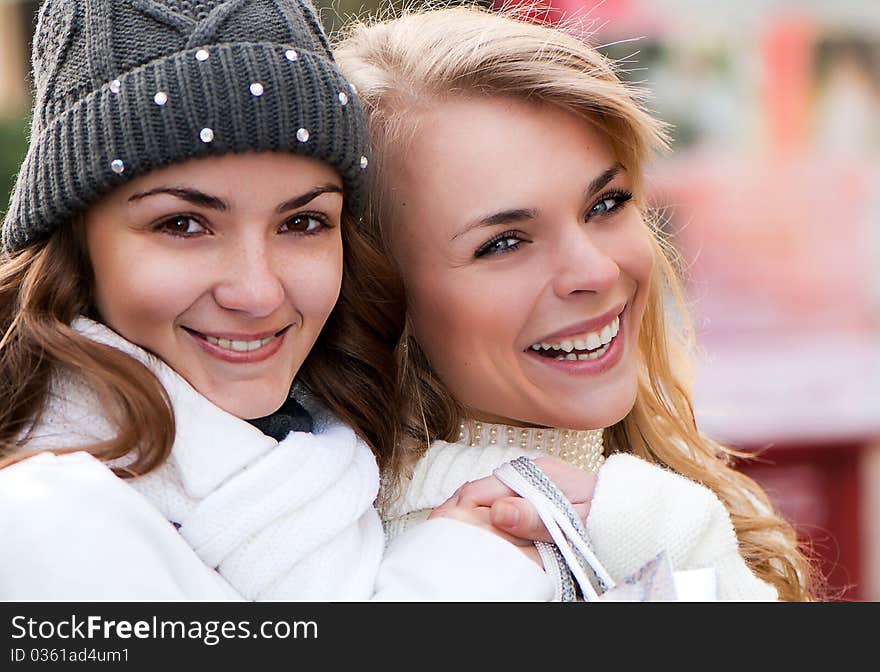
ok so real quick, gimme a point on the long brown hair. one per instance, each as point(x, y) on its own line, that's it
point(46, 285)
point(404, 64)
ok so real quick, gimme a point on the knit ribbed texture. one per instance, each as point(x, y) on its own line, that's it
point(122, 88)
point(637, 510)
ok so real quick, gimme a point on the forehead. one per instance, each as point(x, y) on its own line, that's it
point(470, 155)
point(248, 176)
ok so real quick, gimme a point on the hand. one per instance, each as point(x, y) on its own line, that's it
point(489, 503)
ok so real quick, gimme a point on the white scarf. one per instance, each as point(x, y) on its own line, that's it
point(289, 520)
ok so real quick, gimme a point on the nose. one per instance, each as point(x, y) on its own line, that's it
point(582, 265)
point(250, 282)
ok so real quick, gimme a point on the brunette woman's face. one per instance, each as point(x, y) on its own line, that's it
point(526, 263)
point(226, 268)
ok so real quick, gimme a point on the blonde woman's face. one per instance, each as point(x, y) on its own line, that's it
point(526, 263)
point(226, 268)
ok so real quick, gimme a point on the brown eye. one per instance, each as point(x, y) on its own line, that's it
point(304, 224)
point(181, 225)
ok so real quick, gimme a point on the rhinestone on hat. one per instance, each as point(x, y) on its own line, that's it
point(256, 89)
point(582, 448)
point(364, 162)
point(353, 88)
point(343, 98)
point(202, 55)
point(291, 55)
point(117, 166)
point(303, 135)
point(115, 86)
point(160, 98)
point(206, 135)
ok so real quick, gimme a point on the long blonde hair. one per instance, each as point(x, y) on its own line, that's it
point(413, 61)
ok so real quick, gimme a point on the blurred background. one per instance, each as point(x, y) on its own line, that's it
point(771, 195)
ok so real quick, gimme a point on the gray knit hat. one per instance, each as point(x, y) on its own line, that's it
point(126, 86)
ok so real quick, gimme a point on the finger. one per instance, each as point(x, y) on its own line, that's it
point(453, 499)
point(582, 510)
point(479, 517)
point(575, 483)
point(518, 517)
point(472, 515)
point(483, 492)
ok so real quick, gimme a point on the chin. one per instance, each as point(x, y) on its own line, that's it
point(250, 406)
point(596, 411)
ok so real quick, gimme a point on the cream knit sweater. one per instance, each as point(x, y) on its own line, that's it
point(637, 511)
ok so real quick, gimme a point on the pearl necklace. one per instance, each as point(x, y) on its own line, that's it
point(582, 448)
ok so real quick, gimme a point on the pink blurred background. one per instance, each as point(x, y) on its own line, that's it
point(771, 195)
point(772, 198)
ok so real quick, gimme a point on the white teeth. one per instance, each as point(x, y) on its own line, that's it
point(592, 341)
point(592, 355)
point(239, 346)
point(572, 356)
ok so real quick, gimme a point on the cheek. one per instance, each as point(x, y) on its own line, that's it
point(439, 312)
point(466, 327)
point(637, 263)
point(314, 282)
point(635, 255)
point(143, 292)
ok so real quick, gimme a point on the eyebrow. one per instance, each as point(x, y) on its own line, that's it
point(519, 214)
point(193, 196)
point(503, 217)
point(204, 200)
point(300, 201)
point(603, 179)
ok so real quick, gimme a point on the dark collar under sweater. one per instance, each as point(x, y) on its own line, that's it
point(291, 417)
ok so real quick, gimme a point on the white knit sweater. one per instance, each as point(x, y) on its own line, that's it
point(637, 511)
point(258, 519)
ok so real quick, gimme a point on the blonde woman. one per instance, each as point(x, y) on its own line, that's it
point(507, 187)
point(172, 263)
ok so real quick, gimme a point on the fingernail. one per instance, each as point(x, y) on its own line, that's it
point(506, 515)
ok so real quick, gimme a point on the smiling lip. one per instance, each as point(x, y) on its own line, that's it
point(589, 367)
point(583, 327)
point(236, 357)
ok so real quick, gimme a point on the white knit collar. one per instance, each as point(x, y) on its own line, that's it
point(445, 466)
point(210, 444)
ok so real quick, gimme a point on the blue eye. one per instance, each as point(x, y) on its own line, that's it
point(609, 203)
point(181, 225)
point(505, 242)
